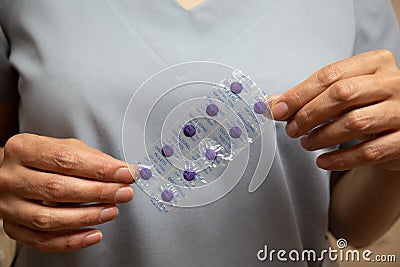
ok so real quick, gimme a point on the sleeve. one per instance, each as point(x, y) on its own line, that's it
point(376, 27)
point(8, 76)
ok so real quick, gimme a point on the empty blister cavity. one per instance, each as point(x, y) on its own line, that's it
point(190, 127)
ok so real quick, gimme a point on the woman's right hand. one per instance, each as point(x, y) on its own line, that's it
point(39, 172)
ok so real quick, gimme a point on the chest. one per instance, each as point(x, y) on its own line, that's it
point(94, 52)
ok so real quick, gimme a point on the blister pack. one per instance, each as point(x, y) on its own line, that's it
point(197, 122)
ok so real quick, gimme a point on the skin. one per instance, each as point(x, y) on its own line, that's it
point(38, 173)
point(189, 4)
point(360, 97)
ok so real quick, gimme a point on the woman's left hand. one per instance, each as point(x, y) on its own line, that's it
point(356, 98)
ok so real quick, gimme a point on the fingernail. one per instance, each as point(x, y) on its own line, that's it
point(123, 175)
point(92, 239)
point(306, 141)
point(108, 214)
point(292, 128)
point(323, 162)
point(124, 194)
point(280, 110)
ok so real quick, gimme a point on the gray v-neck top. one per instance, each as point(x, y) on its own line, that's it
point(75, 65)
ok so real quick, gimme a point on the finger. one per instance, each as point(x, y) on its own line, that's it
point(338, 99)
point(44, 154)
point(356, 124)
point(53, 241)
point(59, 188)
point(44, 218)
point(272, 99)
point(364, 64)
point(371, 152)
point(79, 144)
point(393, 165)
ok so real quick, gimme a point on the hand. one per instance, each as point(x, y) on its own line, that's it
point(359, 97)
point(38, 172)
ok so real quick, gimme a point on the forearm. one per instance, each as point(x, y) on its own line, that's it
point(364, 204)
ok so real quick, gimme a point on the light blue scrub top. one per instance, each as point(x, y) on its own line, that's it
point(76, 63)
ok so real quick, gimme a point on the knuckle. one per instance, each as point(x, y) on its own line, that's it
point(74, 141)
point(38, 244)
point(71, 243)
point(103, 170)
point(43, 220)
point(358, 122)
point(103, 194)
point(9, 230)
point(3, 179)
point(3, 208)
point(396, 81)
point(371, 153)
point(66, 159)
point(14, 145)
point(339, 163)
point(87, 219)
point(56, 189)
point(343, 91)
point(303, 115)
point(298, 95)
point(385, 55)
point(328, 75)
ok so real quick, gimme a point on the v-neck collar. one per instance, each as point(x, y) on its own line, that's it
point(189, 7)
point(177, 35)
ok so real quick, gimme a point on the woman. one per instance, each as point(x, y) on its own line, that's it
point(69, 68)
